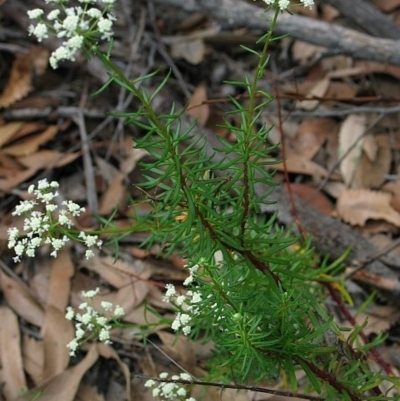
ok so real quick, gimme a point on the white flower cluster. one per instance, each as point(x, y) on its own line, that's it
point(40, 227)
point(284, 4)
point(188, 302)
point(73, 24)
point(90, 321)
point(169, 390)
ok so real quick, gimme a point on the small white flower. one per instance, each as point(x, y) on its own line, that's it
point(53, 15)
point(70, 313)
point(44, 184)
point(94, 13)
point(36, 13)
point(75, 43)
point(104, 26)
point(196, 297)
point(186, 376)
point(284, 4)
point(308, 3)
point(181, 392)
point(176, 324)
point(71, 23)
point(79, 333)
point(64, 220)
point(73, 346)
point(101, 320)
point(90, 293)
point(189, 280)
point(119, 311)
point(149, 383)
point(168, 390)
point(51, 208)
point(107, 306)
point(163, 375)
point(169, 293)
point(60, 54)
point(24, 207)
point(89, 254)
point(13, 235)
point(180, 300)
point(73, 207)
point(104, 335)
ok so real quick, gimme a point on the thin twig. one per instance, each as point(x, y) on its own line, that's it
point(223, 386)
point(163, 52)
point(87, 163)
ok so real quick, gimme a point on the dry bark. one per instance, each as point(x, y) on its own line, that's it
point(336, 38)
point(367, 16)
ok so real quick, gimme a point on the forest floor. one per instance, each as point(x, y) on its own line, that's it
point(335, 121)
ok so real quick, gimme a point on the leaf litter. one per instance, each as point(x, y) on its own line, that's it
point(341, 164)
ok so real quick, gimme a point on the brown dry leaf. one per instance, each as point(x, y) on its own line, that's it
point(372, 67)
point(21, 300)
point(386, 5)
point(197, 107)
point(314, 198)
point(329, 13)
point(334, 189)
point(37, 161)
point(340, 90)
point(6, 184)
point(64, 386)
point(129, 297)
point(372, 174)
point(350, 145)
point(133, 155)
point(190, 49)
point(113, 196)
point(108, 352)
point(382, 241)
point(87, 392)
point(311, 135)
point(318, 90)
point(23, 69)
point(10, 355)
point(117, 272)
point(380, 319)
point(296, 163)
point(62, 269)
point(8, 130)
point(57, 332)
point(303, 52)
point(48, 158)
point(370, 147)
point(393, 187)
point(141, 315)
point(356, 206)
point(337, 65)
point(181, 351)
point(31, 143)
point(33, 358)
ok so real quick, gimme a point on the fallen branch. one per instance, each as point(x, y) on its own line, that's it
point(339, 39)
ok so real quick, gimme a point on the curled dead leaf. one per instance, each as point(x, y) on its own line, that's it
point(351, 145)
point(11, 355)
point(25, 66)
point(356, 206)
